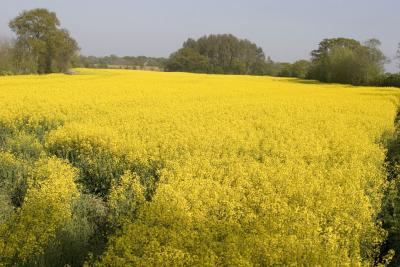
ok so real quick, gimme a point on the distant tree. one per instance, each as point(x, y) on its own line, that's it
point(300, 68)
point(270, 67)
point(113, 61)
point(6, 52)
point(188, 59)
point(343, 66)
point(347, 61)
point(224, 53)
point(285, 69)
point(41, 46)
point(320, 68)
point(374, 59)
point(388, 79)
point(66, 48)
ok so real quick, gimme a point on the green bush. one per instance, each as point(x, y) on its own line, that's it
point(388, 79)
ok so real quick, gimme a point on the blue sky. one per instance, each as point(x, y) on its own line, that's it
point(286, 29)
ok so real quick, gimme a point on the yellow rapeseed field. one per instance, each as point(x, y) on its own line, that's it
point(192, 169)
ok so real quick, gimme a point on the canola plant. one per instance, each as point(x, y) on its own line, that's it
point(134, 168)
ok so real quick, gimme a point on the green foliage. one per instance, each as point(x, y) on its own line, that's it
point(343, 60)
point(188, 59)
point(81, 235)
point(300, 68)
point(391, 205)
point(65, 49)
point(6, 57)
point(221, 53)
point(387, 79)
point(113, 61)
point(41, 45)
point(13, 178)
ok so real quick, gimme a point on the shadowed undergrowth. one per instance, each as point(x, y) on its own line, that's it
point(390, 214)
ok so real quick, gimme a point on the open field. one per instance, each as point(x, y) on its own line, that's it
point(191, 169)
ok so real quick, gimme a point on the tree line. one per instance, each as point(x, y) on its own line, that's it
point(125, 62)
point(42, 46)
point(336, 60)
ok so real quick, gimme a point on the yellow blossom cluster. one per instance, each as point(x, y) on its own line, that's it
point(195, 169)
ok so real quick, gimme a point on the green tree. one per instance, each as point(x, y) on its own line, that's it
point(300, 68)
point(223, 53)
point(6, 50)
point(347, 61)
point(66, 50)
point(41, 46)
point(285, 69)
point(320, 68)
point(343, 65)
point(374, 60)
point(187, 59)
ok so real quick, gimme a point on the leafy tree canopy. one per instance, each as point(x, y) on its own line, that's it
point(346, 60)
point(42, 46)
point(219, 53)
